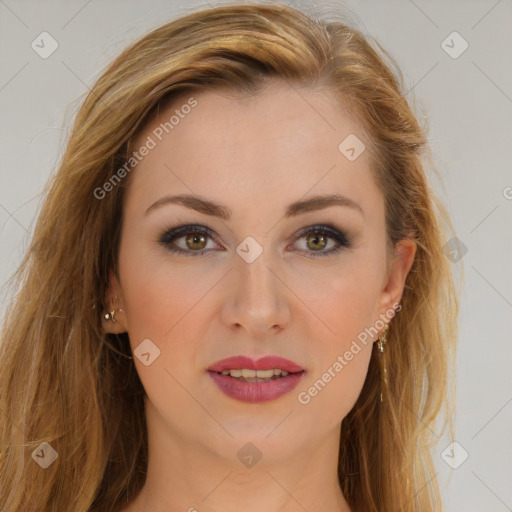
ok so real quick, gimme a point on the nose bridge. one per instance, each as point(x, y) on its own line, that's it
point(257, 301)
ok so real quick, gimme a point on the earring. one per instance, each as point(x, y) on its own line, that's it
point(385, 378)
point(111, 315)
point(382, 338)
point(380, 345)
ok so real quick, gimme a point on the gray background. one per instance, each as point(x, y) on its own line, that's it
point(467, 102)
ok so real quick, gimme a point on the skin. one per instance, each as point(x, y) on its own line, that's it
point(255, 155)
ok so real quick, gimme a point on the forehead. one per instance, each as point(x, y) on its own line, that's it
point(280, 142)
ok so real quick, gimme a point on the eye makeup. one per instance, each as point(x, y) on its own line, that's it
point(325, 232)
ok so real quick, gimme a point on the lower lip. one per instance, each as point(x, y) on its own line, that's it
point(256, 392)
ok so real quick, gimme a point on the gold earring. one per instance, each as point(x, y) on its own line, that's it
point(380, 345)
point(111, 315)
point(383, 338)
point(385, 377)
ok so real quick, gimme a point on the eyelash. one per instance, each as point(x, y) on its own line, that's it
point(172, 234)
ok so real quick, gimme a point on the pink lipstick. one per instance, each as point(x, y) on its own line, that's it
point(249, 380)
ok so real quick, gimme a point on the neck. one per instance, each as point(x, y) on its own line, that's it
point(186, 475)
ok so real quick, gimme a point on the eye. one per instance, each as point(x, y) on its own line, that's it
point(194, 240)
point(317, 239)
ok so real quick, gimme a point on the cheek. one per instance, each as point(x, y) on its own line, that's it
point(171, 305)
point(157, 293)
point(344, 301)
point(331, 393)
point(342, 355)
point(345, 305)
point(162, 303)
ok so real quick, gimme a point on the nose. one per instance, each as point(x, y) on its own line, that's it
point(257, 299)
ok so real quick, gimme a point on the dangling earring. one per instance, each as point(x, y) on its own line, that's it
point(382, 338)
point(380, 345)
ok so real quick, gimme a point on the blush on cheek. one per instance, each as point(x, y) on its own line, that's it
point(333, 392)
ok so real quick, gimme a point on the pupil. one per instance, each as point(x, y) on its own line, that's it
point(195, 239)
point(316, 238)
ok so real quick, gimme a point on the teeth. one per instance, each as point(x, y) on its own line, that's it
point(263, 374)
point(260, 374)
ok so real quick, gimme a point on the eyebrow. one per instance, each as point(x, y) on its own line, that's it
point(207, 207)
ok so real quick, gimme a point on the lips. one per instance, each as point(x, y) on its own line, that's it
point(264, 363)
point(256, 390)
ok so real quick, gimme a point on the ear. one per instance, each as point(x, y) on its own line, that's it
point(391, 295)
point(114, 302)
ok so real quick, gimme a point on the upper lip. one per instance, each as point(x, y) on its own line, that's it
point(263, 363)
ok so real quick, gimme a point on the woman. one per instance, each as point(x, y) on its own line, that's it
point(236, 296)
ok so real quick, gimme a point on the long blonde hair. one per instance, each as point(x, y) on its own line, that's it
point(65, 382)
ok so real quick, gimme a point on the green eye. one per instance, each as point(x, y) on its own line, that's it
point(195, 240)
point(317, 239)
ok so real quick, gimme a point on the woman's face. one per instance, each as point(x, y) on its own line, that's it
point(284, 256)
